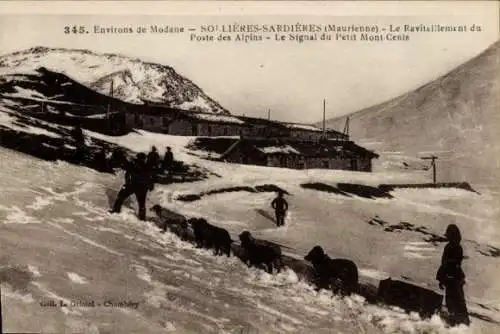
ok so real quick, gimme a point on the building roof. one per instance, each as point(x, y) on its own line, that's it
point(216, 118)
point(324, 148)
point(305, 127)
point(333, 148)
point(281, 149)
point(261, 121)
point(162, 110)
point(308, 127)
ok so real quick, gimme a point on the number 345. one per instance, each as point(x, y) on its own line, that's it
point(75, 30)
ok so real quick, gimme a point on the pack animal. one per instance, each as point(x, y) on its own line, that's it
point(261, 252)
point(210, 236)
point(177, 223)
point(338, 275)
point(409, 297)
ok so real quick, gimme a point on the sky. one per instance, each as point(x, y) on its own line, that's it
point(289, 78)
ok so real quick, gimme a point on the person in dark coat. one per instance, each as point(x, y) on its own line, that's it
point(78, 135)
point(138, 180)
point(79, 140)
point(153, 158)
point(101, 161)
point(280, 206)
point(118, 159)
point(452, 278)
point(168, 160)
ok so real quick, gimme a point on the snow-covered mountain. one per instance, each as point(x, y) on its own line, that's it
point(60, 244)
point(456, 116)
point(73, 251)
point(134, 81)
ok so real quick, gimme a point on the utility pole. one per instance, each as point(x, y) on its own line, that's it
point(109, 102)
point(433, 165)
point(108, 111)
point(1, 315)
point(324, 118)
point(268, 114)
point(346, 128)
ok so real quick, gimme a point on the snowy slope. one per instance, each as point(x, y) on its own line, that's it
point(455, 117)
point(72, 250)
point(134, 81)
point(81, 254)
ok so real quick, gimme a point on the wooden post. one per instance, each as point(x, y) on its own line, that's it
point(433, 165)
point(1, 315)
point(324, 118)
point(108, 111)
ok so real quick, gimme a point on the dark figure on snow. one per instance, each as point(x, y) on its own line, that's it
point(102, 162)
point(452, 278)
point(138, 180)
point(118, 159)
point(153, 159)
point(280, 206)
point(168, 160)
point(79, 140)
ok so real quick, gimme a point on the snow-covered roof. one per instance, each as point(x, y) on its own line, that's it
point(97, 116)
point(216, 118)
point(302, 127)
point(284, 149)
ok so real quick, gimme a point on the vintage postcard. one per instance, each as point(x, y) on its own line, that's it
point(249, 167)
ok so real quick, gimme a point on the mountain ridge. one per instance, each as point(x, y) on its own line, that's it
point(455, 115)
point(492, 48)
point(149, 81)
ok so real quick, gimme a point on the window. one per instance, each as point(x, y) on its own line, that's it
point(137, 119)
point(165, 121)
point(225, 131)
point(194, 130)
point(209, 130)
point(151, 120)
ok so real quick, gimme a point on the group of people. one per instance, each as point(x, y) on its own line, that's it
point(140, 177)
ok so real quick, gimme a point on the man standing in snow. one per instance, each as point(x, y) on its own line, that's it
point(101, 161)
point(452, 278)
point(153, 159)
point(168, 161)
point(138, 180)
point(280, 206)
point(79, 140)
